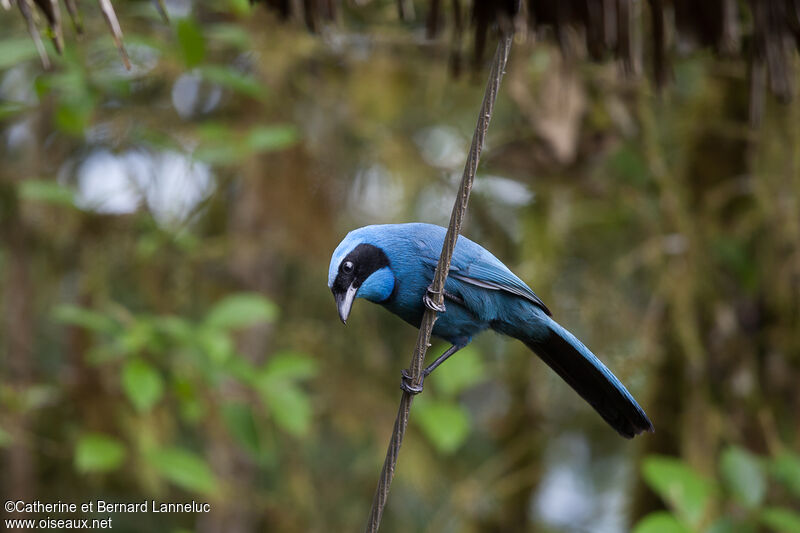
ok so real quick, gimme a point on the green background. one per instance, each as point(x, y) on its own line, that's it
point(167, 332)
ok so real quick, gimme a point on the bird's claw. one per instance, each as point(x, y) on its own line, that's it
point(430, 294)
point(407, 384)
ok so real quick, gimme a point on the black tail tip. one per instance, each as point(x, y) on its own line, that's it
point(631, 428)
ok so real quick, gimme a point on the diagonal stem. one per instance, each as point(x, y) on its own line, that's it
point(439, 278)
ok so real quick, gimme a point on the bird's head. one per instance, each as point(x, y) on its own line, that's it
point(359, 269)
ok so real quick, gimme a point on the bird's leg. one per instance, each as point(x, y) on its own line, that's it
point(429, 302)
point(405, 379)
point(441, 359)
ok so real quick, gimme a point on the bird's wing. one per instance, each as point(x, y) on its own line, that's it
point(489, 277)
point(473, 264)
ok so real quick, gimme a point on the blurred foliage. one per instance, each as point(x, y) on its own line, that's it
point(442, 419)
point(158, 354)
point(735, 501)
point(168, 334)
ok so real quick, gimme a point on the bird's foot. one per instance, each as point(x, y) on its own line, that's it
point(407, 383)
point(429, 302)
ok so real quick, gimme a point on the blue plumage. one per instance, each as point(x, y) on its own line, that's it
point(393, 265)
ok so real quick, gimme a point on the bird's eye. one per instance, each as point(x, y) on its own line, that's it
point(347, 267)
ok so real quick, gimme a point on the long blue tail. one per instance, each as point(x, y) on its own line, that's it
point(588, 376)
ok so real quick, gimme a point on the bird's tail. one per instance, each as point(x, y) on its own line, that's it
point(590, 378)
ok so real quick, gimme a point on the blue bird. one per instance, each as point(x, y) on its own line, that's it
point(393, 265)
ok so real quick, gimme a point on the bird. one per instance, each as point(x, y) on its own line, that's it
point(393, 265)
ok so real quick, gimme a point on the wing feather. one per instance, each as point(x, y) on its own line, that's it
point(492, 281)
point(475, 265)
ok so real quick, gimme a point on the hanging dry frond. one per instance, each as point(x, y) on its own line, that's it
point(162, 10)
point(604, 28)
point(613, 29)
point(52, 13)
point(28, 15)
point(74, 14)
point(116, 30)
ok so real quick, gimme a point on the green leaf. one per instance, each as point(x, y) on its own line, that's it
point(289, 365)
point(241, 310)
point(184, 468)
point(191, 406)
point(743, 476)
point(217, 344)
point(221, 145)
point(786, 469)
point(142, 384)
point(230, 34)
point(445, 424)
point(460, 372)
point(224, 153)
point(15, 51)
point(288, 404)
point(96, 452)
point(73, 116)
point(241, 424)
point(85, 318)
point(269, 138)
point(681, 487)
point(192, 43)
point(178, 329)
point(781, 520)
point(46, 191)
point(234, 80)
point(243, 370)
point(660, 522)
point(240, 7)
point(139, 336)
point(215, 131)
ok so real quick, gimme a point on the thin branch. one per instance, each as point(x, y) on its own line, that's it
point(439, 278)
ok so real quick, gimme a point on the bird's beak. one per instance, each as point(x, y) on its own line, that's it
point(344, 301)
